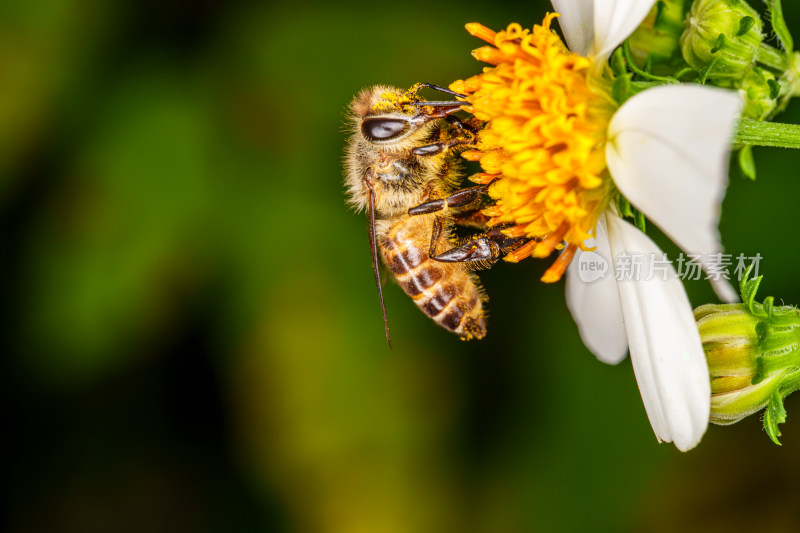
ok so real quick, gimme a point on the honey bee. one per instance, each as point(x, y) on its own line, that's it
point(401, 167)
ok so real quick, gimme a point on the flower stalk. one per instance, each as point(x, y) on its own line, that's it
point(758, 133)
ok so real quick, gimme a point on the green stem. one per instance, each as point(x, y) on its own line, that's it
point(772, 57)
point(758, 133)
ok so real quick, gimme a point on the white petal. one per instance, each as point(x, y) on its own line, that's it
point(665, 346)
point(577, 24)
point(614, 21)
point(668, 154)
point(593, 300)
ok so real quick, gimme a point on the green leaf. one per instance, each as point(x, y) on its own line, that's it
point(747, 163)
point(774, 415)
point(779, 25)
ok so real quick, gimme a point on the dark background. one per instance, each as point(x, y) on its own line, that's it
point(191, 335)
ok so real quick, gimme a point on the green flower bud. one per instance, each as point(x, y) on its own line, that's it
point(753, 355)
point(721, 39)
point(658, 36)
point(760, 91)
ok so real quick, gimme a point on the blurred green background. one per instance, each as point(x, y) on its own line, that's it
point(191, 333)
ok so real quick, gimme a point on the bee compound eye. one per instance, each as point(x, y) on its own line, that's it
point(383, 129)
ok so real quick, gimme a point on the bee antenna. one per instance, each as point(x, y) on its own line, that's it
point(439, 103)
point(440, 89)
point(374, 250)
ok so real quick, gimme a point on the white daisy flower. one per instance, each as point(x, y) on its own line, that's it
point(560, 151)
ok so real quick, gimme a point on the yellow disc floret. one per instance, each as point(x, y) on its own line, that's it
point(543, 142)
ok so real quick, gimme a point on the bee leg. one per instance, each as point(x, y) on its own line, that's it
point(489, 247)
point(437, 148)
point(436, 235)
point(439, 110)
point(457, 199)
point(506, 244)
point(480, 249)
point(460, 124)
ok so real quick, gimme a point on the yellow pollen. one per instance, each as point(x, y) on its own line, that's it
point(543, 139)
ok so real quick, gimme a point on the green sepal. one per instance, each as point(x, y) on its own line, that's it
point(744, 25)
point(774, 415)
point(762, 330)
point(623, 88)
point(658, 22)
point(774, 89)
point(618, 64)
point(627, 56)
point(747, 163)
point(749, 287)
point(707, 70)
point(639, 221)
point(779, 25)
point(761, 371)
point(769, 305)
point(625, 208)
point(719, 44)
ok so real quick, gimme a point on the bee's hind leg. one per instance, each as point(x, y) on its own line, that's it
point(489, 247)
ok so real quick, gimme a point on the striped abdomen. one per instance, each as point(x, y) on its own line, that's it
point(444, 291)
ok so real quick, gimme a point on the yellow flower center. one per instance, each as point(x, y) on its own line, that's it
point(543, 142)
